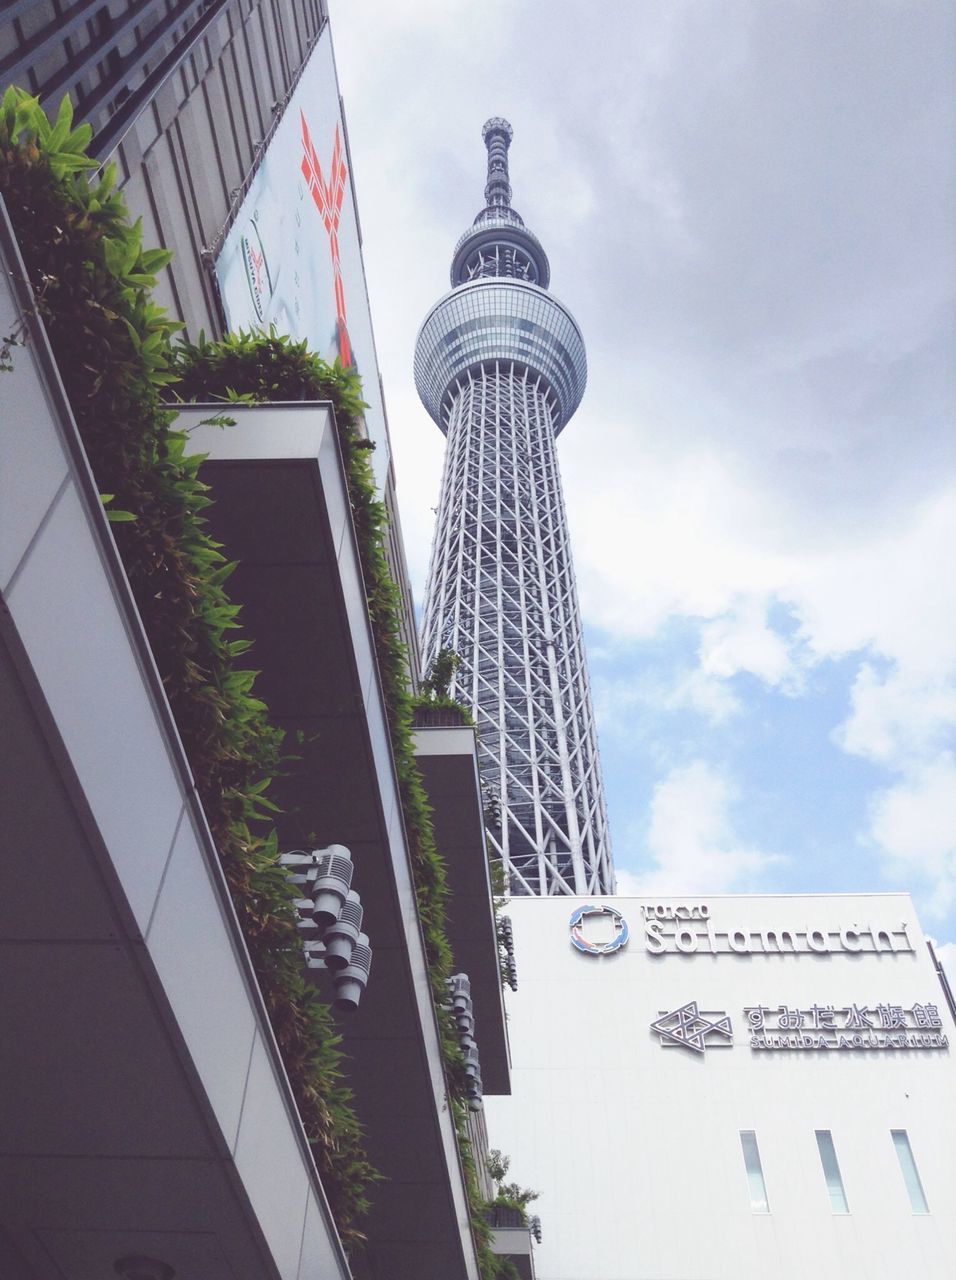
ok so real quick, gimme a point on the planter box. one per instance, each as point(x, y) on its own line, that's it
point(440, 717)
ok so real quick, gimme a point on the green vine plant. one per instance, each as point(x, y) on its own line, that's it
point(15, 338)
point(92, 281)
point(255, 367)
point(499, 903)
point(19, 334)
point(508, 1195)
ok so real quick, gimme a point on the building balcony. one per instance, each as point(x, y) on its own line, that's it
point(511, 1238)
point(440, 717)
point(447, 755)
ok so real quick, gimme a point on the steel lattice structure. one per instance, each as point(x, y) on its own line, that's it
point(500, 366)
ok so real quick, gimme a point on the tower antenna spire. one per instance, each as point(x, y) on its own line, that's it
point(497, 134)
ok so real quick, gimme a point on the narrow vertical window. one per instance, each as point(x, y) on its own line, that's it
point(758, 1188)
point(831, 1171)
point(904, 1153)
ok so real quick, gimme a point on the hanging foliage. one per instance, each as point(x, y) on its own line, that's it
point(92, 281)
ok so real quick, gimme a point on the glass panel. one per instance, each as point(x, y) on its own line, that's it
point(758, 1189)
point(831, 1171)
point(914, 1187)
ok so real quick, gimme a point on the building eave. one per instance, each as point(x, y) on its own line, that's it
point(448, 759)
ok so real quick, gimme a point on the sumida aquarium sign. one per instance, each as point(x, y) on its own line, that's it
point(767, 1027)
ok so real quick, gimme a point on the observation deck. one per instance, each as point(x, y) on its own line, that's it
point(498, 319)
point(499, 310)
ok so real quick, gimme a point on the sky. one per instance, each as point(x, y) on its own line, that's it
point(749, 208)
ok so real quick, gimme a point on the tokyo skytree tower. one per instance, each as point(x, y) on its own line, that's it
point(500, 366)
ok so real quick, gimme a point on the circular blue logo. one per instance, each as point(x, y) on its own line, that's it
point(584, 945)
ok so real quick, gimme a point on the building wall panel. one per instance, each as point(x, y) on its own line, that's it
point(635, 1145)
point(204, 122)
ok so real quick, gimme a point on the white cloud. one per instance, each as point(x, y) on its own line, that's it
point(898, 717)
point(706, 693)
point(742, 640)
point(660, 535)
point(630, 884)
point(886, 588)
point(622, 703)
point(657, 534)
point(913, 827)
point(691, 839)
point(880, 593)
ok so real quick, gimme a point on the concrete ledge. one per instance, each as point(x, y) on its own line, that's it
point(514, 1243)
point(448, 760)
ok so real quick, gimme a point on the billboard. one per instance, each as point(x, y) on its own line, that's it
point(292, 258)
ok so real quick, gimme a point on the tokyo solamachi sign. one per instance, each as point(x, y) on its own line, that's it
point(691, 929)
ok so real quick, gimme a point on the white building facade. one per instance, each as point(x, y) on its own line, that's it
point(732, 1087)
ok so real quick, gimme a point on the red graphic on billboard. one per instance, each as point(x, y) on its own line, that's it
point(328, 197)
